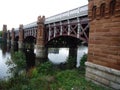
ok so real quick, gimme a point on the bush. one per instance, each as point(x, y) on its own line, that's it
point(83, 60)
point(45, 68)
point(71, 62)
point(18, 61)
point(32, 73)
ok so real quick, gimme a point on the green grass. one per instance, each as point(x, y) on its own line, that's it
point(59, 80)
point(47, 77)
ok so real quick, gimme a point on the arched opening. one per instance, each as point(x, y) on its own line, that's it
point(112, 7)
point(102, 10)
point(29, 42)
point(63, 41)
point(94, 12)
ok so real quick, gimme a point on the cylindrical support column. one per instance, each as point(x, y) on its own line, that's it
point(21, 36)
point(40, 43)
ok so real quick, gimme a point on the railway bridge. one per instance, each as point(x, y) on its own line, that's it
point(66, 29)
point(97, 24)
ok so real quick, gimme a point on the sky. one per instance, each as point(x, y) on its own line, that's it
point(16, 12)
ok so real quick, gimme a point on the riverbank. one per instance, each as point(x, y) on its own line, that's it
point(46, 77)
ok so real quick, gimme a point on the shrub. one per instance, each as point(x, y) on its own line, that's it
point(71, 62)
point(45, 68)
point(32, 73)
point(18, 59)
point(83, 60)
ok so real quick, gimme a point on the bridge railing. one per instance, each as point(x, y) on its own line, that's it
point(77, 12)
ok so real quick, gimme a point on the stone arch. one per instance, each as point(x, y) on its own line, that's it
point(112, 7)
point(102, 9)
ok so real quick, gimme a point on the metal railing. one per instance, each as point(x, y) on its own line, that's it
point(77, 12)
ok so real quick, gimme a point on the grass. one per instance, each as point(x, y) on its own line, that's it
point(59, 80)
point(46, 76)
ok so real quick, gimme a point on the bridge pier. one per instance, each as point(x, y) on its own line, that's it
point(103, 65)
point(41, 51)
point(20, 42)
point(4, 33)
point(8, 36)
point(13, 37)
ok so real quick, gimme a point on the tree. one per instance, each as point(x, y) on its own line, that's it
point(0, 33)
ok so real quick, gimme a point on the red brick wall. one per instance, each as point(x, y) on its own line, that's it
point(104, 36)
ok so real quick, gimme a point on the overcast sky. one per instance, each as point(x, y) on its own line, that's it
point(15, 12)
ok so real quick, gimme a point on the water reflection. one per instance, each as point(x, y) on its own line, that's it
point(55, 55)
point(59, 55)
point(4, 57)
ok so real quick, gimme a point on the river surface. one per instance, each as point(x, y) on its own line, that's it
point(55, 55)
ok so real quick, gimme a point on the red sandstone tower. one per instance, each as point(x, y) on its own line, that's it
point(103, 65)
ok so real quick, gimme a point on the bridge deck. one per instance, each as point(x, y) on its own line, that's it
point(77, 12)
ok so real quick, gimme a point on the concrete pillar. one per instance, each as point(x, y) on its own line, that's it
point(21, 37)
point(103, 64)
point(4, 32)
point(13, 37)
point(40, 43)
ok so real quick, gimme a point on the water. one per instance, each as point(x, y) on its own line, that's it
point(3, 67)
point(55, 55)
point(61, 55)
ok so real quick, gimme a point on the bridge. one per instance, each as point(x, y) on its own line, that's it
point(97, 24)
point(65, 29)
point(72, 23)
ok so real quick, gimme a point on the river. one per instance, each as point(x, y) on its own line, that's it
point(55, 55)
